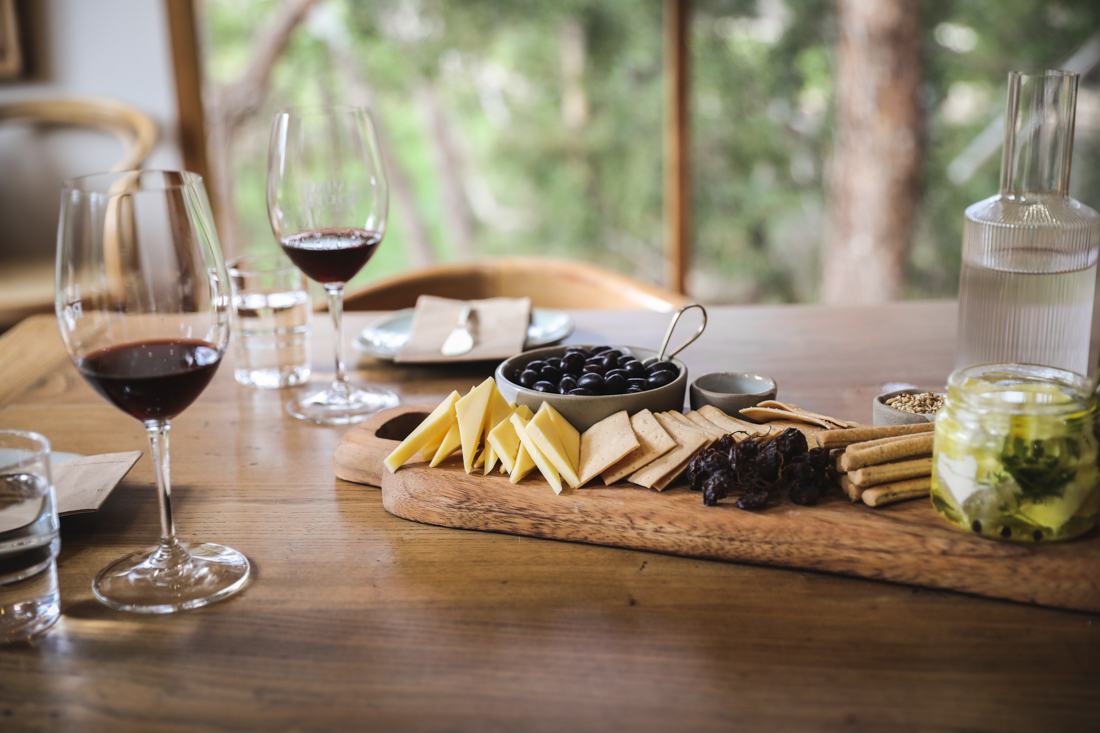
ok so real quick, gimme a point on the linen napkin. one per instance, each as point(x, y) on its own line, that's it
point(498, 325)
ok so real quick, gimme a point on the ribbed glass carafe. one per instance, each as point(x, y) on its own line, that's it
point(1028, 291)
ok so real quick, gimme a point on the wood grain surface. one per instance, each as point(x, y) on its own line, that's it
point(905, 543)
point(359, 620)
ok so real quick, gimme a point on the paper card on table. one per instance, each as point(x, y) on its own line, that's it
point(83, 484)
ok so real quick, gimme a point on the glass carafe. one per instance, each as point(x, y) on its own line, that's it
point(1028, 290)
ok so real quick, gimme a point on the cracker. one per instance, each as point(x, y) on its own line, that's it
point(605, 444)
point(731, 424)
point(653, 442)
point(690, 441)
point(705, 424)
point(801, 411)
point(771, 414)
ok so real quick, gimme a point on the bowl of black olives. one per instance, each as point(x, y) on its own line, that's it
point(588, 383)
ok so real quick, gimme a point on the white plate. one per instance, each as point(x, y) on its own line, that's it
point(384, 339)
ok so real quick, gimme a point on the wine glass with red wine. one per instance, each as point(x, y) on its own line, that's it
point(142, 299)
point(327, 199)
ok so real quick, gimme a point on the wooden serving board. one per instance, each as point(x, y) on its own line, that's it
point(903, 543)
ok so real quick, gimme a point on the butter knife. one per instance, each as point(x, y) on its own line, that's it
point(459, 341)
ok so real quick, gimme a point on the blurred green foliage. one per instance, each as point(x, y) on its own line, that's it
point(762, 75)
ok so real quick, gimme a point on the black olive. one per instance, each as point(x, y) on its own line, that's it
point(661, 366)
point(528, 377)
point(620, 372)
point(594, 369)
point(626, 359)
point(612, 354)
point(634, 368)
point(591, 381)
point(660, 379)
point(581, 392)
point(546, 387)
point(554, 362)
point(550, 373)
point(641, 384)
point(567, 384)
point(572, 362)
point(615, 384)
point(535, 365)
point(598, 349)
point(633, 390)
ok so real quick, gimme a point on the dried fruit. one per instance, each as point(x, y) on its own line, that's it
point(760, 468)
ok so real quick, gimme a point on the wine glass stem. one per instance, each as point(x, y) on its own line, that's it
point(170, 552)
point(336, 307)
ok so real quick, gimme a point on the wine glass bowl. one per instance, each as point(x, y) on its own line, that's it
point(142, 301)
point(327, 201)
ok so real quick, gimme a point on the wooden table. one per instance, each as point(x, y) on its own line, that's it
point(358, 620)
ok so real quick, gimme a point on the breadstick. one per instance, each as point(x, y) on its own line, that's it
point(858, 456)
point(898, 491)
point(854, 492)
point(890, 472)
point(844, 438)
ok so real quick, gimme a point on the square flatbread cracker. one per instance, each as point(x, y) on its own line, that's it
point(689, 442)
point(653, 442)
point(732, 424)
point(706, 425)
point(605, 444)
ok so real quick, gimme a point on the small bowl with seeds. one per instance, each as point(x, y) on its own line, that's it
point(906, 407)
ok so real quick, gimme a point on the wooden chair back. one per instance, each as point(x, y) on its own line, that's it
point(548, 282)
point(26, 282)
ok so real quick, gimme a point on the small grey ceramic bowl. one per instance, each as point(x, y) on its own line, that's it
point(732, 392)
point(882, 414)
point(584, 412)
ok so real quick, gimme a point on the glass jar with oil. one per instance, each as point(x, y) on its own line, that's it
point(1015, 453)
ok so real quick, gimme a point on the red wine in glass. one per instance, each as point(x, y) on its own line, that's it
point(152, 380)
point(331, 255)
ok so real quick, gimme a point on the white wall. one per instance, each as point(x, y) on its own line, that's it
point(112, 48)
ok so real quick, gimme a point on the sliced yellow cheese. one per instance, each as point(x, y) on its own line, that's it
point(450, 444)
point(523, 463)
point(427, 453)
point(490, 458)
point(439, 418)
point(544, 466)
point(523, 466)
point(499, 412)
point(472, 412)
point(504, 440)
point(545, 437)
point(570, 437)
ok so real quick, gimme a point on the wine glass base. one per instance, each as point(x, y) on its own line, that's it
point(138, 583)
point(340, 407)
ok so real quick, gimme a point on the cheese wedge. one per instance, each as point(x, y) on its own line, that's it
point(499, 412)
point(570, 437)
point(544, 466)
point(427, 453)
point(472, 413)
point(438, 420)
point(523, 463)
point(544, 435)
point(450, 444)
point(523, 466)
point(504, 440)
